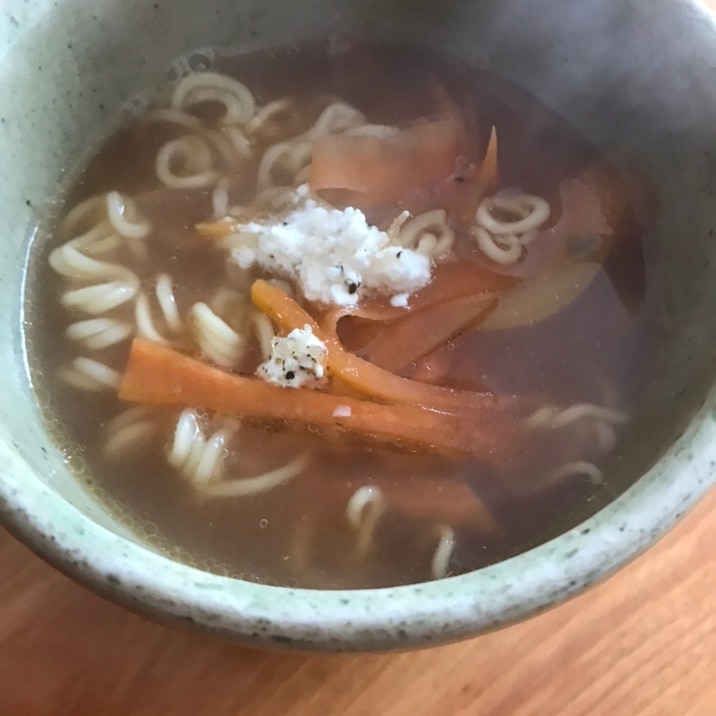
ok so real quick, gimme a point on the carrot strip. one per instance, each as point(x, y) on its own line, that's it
point(356, 331)
point(421, 332)
point(432, 368)
point(156, 375)
point(450, 281)
point(489, 175)
point(441, 500)
point(358, 373)
point(376, 169)
point(437, 498)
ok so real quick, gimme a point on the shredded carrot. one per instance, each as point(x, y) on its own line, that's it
point(462, 193)
point(156, 375)
point(421, 332)
point(489, 175)
point(357, 329)
point(438, 497)
point(374, 170)
point(449, 281)
point(444, 106)
point(375, 313)
point(432, 368)
point(457, 279)
point(441, 500)
point(357, 373)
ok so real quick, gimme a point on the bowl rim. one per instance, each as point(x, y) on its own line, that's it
point(411, 616)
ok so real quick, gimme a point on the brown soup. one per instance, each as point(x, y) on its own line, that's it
point(560, 345)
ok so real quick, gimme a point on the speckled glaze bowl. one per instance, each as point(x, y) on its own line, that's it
point(634, 76)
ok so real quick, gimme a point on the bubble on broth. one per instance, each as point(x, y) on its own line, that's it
point(199, 63)
point(201, 60)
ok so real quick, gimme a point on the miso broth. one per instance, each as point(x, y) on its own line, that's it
point(539, 317)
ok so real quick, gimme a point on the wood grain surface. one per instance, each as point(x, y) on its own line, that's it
point(642, 643)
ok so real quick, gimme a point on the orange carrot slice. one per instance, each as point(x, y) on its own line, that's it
point(489, 175)
point(422, 332)
point(441, 500)
point(357, 373)
point(450, 281)
point(431, 368)
point(156, 375)
point(377, 169)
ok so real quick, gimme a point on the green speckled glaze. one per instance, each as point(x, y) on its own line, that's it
point(635, 76)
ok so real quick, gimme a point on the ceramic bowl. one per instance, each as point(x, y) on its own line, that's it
point(634, 76)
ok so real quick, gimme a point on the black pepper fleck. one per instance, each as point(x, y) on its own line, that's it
point(290, 375)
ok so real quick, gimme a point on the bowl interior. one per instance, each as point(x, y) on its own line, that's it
point(631, 78)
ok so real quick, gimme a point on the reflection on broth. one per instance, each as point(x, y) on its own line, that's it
point(345, 318)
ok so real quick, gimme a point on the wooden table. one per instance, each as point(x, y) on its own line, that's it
point(642, 643)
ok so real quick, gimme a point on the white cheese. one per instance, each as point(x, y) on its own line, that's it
point(332, 255)
point(296, 359)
